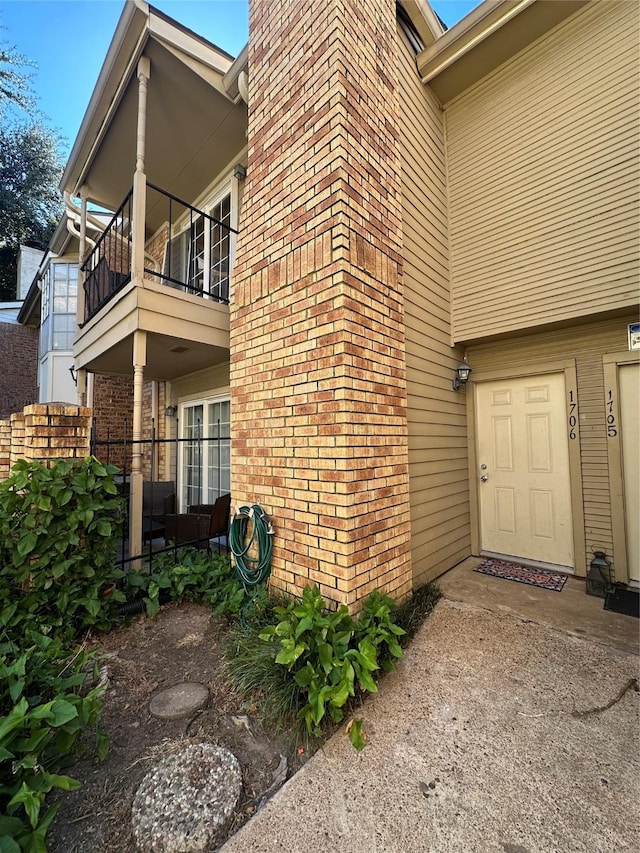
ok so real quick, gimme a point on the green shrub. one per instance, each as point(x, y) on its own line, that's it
point(58, 532)
point(47, 702)
point(189, 575)
point(329, 658)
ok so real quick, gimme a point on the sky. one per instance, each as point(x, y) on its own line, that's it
point(68, 40)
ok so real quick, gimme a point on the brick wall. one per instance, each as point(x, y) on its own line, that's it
point(112, 417)
point(45, 432)
point(155, 248)
point(153, 469)
point(318, 382)
point(5, 448)
point(19, 374)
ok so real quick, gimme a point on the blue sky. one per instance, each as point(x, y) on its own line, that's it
point(68, 40)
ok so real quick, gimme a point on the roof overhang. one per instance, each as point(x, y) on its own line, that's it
point(424, 19)
point(193, 125)
point(491, 34)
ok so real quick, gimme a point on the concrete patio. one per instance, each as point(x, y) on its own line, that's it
point(510, 725)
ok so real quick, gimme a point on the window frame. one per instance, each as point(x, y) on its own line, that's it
point(183, 236)
point(205, 486)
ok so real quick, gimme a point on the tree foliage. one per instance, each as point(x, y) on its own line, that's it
point(30, 168)
point(15, 83)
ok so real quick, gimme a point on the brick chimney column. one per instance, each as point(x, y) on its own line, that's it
point(318, 388)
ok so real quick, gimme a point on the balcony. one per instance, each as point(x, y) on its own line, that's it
point(178, 298)
point(194, 256)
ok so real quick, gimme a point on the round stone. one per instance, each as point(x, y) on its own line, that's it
point(186, 803)
point(181, 700)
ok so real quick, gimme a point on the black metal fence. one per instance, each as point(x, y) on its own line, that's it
point(164, 455)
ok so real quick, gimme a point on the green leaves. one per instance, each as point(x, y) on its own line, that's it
point(356, 734)
point(27, 543)
point(58, 533)
point(189, 575)
point(46, 703)
point(58, 529)
point(331, 656)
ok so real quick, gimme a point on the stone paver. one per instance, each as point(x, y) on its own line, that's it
point(180, 701)
point(185, 804)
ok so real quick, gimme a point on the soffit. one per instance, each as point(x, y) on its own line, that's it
point(193, 132)
point(187, 72)
point(163, 363)
point(486, 38)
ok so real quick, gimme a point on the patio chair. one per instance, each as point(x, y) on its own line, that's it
point(158, 500)
point(187, 528)
point(219, 528)
point(219, 514)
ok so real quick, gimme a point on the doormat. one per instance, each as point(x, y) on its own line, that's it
point(522, 574)
point(624, 601)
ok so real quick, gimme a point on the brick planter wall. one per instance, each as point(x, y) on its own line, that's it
point(44, 432)
point(319, 433)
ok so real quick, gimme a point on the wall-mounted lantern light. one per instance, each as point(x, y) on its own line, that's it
point(171, 411)
point(462, 375)
point(239, 172)
point(74, 374)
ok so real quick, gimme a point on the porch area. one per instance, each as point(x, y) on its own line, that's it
point(571, 610)
point(180, 299)
point(186, 498)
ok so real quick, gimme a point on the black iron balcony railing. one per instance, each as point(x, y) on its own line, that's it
point(108, 267)
point(196, 257)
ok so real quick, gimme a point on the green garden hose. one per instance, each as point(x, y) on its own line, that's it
point(251, 570)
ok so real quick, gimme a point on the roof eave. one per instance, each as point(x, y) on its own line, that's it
point(473, 29)
point(113, 74)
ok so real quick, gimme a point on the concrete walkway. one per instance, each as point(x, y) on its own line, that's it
point(487, 738)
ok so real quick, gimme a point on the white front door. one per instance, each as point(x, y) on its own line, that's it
point(629, 380)
point(523, 460)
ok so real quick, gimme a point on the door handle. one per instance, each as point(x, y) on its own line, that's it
point(484, 478)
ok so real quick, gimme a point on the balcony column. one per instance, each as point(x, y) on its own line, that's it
point(82, 252)
point(81, 376)
point(139, 177)
point(135, 494)
point(81, 386)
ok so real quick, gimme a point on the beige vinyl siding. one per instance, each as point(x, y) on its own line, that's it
point(438, 477)
point(200, 384)
point(586, 344)
point(543, 160)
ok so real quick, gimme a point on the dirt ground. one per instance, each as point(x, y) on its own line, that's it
point(181, 644)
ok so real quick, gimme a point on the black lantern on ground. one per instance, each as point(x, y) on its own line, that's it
point(599, 575)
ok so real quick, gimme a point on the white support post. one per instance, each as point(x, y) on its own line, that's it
point(82, 252)
point(139, 177)
point(81, 385)
point(135, 503)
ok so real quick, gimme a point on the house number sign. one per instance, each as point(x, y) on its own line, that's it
point(612, 429)
point(573, 420)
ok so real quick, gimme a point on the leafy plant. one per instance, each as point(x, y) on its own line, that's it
point(330, 655)
point(58, 531)
point(377, 623)
point(189, 575)
point(47, 702)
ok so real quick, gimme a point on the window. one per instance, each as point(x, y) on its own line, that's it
point(58, 310)
point(205, 466)
point(199, 258)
